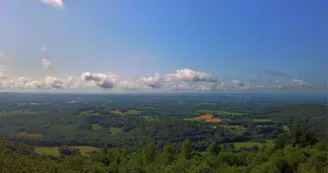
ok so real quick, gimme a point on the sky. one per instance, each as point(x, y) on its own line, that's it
point(185, 45)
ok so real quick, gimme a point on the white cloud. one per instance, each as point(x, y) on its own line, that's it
point(2, 54)
point(125, 85)
point(190, 75)
point(54, 3)
point(152, 81)
point(101, 79)
point(47, 65)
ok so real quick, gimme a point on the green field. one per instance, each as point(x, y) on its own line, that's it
point(53, 151)
point(116, 131)
point(89, 113)
point(96, 127)
point(262, 120)
point(150, 118)
point(132, 112)
point(237, 130)
point(30, 135)
point(85, 150)
point(18, 112)
point(220, 112)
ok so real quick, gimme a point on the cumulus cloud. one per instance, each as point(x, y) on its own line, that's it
point(3, 77)
point(152, 81)
point(125, 85)
point(190, 75)
point(272, 72)
point(47, 65)
point(59, 4)
point(101, 79)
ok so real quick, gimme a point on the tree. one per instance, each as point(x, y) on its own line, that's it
point(148, 153)
point(186, 150)
point(214, 149)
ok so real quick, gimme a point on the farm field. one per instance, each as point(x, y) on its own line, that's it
point(53, 151)
point(18, 112)
point(205, 118)
point(220, 112)
point(116, 131)
point(30, 135)
point(95, 127)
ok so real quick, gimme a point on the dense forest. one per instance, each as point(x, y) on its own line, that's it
point(295, 151)
point(162, 133)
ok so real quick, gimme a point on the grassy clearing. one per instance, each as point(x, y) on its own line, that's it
point(85, 150)
point(205, 118)
point(116, 111)
point(18, 112)
point(89, 113)
point(53, 151)
point(30, 135)
point(220, 112)
point(150, 118)
point(237, 130)
point(286, 128)
point(262, 120)
point(116, 131)
point(95, 127)
point(132, 112)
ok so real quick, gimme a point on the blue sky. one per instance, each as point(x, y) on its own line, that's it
point(231, 40)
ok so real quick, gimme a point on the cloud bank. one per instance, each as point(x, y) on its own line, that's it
point(180, 80)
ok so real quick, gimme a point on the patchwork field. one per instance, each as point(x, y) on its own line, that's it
point(129, 112)
point(18, 112)
point(95, 127)
point(116, 111)
point(237, 130)
point(206, 118)
point(150, 118)
point(116, 131)
point(220, 112)
point(53, 151)
point(262, 120)
point(85, 150)
point(89, 113)
point(30, 135)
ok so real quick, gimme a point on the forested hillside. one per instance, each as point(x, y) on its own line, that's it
point(295, 151)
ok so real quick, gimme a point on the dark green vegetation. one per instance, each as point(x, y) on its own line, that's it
point(294, 152)
point(147, 133)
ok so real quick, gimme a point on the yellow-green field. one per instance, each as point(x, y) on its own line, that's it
point(237, 130)
point(30, 135)
point(96, 127)
point(129, 112)
point(220, 112)
point(205, 118)
point(150, 118)
point(116, 131)
point(269, 144)
point(262, 120)
point(53, 151)
point(17, 112)
point(85, 150)
point(132, 112)
point(89, 113)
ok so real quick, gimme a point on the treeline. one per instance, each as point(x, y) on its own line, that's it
point(295, 152)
